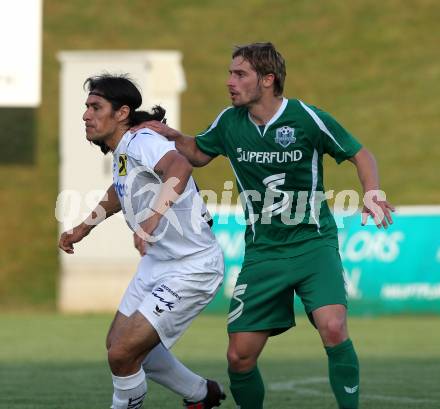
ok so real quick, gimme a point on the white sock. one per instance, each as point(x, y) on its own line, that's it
point(164, 368)
point(129, 391)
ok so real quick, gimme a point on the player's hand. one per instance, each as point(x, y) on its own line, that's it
point(159, 127)
point(140, 244)
point(143, 237)
point(68, 238)
point(380, 211)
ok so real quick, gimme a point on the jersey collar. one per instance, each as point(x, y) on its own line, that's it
point(273, 119)
point(121, 142)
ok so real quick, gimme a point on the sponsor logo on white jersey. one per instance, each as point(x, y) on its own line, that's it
point(122, 165)
point(121, 189)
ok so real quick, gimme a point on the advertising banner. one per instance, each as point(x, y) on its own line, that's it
point(396, 270)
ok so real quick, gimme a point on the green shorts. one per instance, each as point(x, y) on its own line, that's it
point(263, 294)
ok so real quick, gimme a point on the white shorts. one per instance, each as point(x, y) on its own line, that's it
point(171, 293)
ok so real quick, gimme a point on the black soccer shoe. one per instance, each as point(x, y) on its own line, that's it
point(213, 397)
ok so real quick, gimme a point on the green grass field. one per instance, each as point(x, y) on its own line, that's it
point(50, 361)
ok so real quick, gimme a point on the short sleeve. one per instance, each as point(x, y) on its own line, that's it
point(149, 147)
point(336, 140)
point(211, 141)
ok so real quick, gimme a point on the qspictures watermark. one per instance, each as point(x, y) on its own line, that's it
point(290, 207)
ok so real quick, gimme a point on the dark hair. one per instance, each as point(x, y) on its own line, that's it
point(264, 59)
point(120, 90)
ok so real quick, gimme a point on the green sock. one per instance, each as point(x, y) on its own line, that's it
point(247, 388)
point(343, 367)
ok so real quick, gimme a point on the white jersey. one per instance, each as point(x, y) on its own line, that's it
point(182, 230)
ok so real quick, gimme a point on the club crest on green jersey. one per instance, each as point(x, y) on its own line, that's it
point(284, 136)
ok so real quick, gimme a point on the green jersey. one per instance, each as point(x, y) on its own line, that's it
point(279, 175)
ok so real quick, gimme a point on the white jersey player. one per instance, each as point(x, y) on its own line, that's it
point(183, 230)
point(181, 267)
point(183, 251)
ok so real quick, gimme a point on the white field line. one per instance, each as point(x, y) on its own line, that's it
point(298, 387)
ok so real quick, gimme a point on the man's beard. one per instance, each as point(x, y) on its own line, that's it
point(104, 148)
point(254, 99)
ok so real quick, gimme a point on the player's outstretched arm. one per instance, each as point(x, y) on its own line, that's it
point(375, 203)
point(108, 206)
point(174, 171)
point(186, 145)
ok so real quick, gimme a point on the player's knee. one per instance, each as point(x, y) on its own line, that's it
point(334, 332)
point(118, 358)
point(108, 342)
point(240, 361)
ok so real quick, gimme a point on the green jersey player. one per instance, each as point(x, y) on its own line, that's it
point(276, 146)
point(278, 168)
